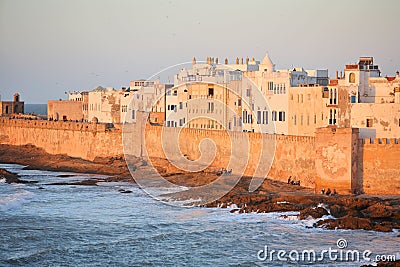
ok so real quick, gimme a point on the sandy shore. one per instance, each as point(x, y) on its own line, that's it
point(351, 212)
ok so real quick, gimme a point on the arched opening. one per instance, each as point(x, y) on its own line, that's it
point(352, 78)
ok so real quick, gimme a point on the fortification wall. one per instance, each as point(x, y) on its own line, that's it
point(82, 140)
point(378, 166)
point(247, 153)
point(334, 158)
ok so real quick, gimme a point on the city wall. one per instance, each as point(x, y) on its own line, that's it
point(335, 158)
point(82, 140)
point(378, 165)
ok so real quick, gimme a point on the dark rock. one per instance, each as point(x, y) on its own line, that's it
point(338, 211)
point(385, 264)
point(378, 210)
point(84, 182)
point(66, 175)
point(13, 178)
point(126, 192)
point(347, 222)
point(315, 213)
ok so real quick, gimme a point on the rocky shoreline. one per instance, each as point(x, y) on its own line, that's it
point(334, 212)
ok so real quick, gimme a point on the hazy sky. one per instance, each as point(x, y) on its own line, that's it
point(49, 47)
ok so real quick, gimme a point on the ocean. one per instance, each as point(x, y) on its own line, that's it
point(36, 109)
point(73, 225)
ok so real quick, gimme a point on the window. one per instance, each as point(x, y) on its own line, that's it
point(175, 92)
point(334, 96)
point(248, 92)
point(133, 114)
point(239, 102)
point(294, 120)
point(369, 123)
point(210, 91)
point(281, 116)
point(265, 117)
point(210, 108)
point(180, 105)
point(250, 118)
point(244, 116)
point(273, 115)
point(259, 117)
point(352, 78)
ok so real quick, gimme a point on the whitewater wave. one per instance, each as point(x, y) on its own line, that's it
point(16, 200)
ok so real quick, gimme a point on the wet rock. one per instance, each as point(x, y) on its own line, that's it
point(315, 213)
point(386, 227)
point(84, 182)
point(347, 222)
point(385, 264)
point(378, 210)
point(13, 178)
point(338, 211)
point(126, 192)
point(66, 175)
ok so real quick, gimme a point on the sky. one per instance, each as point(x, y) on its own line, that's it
point(49, 47)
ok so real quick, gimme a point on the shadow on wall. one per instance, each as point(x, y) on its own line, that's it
point(358, 186)
point(367, 133)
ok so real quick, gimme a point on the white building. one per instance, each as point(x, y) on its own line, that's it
point(255, 98)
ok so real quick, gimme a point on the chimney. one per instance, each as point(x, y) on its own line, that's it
point(247, 60)
point(226, 61)
point(341, 74)
point(337, 74)
point(397, 74)
point(194, 61)
point(237, 60)
point(241, 61)
point(216, 60)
